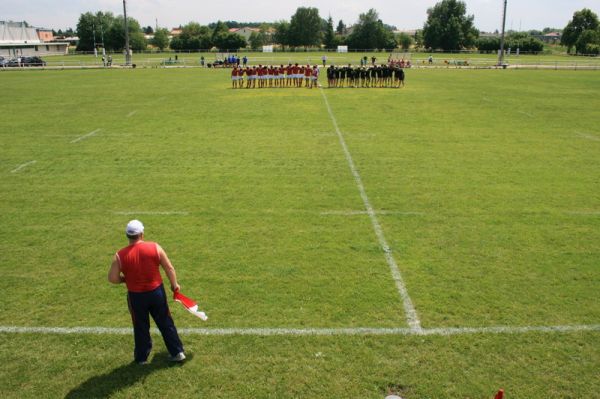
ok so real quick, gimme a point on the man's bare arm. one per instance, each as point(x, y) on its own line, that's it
point(114, 273)
point(168, 268)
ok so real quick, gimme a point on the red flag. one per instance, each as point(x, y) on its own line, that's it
point(189, 304)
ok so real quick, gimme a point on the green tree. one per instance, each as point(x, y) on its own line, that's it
point(588, 42)
point(341, 28)
point(370, 33)
point(582, 20)
point(305, 27)
point(329, 39)
point(161, 38)
point(448, 27)
point(282, 33)
point(405, 40)
point(229, 41)
point(193, 37)
point(115, 37)
point(220, 29)
point(256, 40)
point(92, 27)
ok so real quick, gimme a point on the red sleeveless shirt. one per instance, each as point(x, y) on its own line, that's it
point(139, 263)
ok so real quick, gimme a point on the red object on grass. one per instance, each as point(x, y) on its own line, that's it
point(190, 305)
point(500, 394)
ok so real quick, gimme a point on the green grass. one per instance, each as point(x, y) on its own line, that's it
point(255, 58)
point(490, 185)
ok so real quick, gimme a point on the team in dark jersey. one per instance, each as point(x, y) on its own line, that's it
point(373, 76)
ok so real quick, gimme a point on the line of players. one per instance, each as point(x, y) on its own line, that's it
point(374, 76)
point(275, 76)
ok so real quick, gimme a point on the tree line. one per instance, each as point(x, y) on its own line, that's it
point(448, 27)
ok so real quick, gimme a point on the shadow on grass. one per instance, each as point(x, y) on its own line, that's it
point(120, 378)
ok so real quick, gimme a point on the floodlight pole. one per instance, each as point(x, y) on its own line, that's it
point(501, 56)
point(127, 53)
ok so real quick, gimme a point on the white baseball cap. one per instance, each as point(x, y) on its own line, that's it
point(134, 228)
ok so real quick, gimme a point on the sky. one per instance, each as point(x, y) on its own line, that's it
point(404, 14)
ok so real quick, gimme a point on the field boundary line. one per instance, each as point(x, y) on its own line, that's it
point(85, 136)
point(357, 331)
point(23, 165)
point(409, 309)
point(129, 115)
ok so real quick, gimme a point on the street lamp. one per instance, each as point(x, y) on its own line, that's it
point(127, 53)
point(501, 56)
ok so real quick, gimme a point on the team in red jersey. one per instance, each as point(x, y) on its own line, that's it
point(273, 76)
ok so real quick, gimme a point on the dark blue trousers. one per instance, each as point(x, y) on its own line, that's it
point(153, 303)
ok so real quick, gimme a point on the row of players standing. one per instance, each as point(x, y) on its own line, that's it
point(275, 76)
point(391, 75)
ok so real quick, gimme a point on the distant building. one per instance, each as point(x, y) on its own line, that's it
point(175, 32)
point(45, 35)
point(409, 32)
point(244, 32)
point(18, 39)
point(552, 37)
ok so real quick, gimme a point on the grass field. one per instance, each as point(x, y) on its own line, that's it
point(485, 186)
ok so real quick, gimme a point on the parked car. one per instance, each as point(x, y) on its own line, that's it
point(11, 63)
point(25, 62)
point(33, 61)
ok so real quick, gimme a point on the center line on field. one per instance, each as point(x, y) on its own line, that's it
point(26, 164)
point(85, 136)
point(131, 113)
point(355, 331)
point(409, 309)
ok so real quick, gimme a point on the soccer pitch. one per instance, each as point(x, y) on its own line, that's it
point(436, 241)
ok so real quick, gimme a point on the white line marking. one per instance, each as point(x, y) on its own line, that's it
point(409, 309)
point(526, 114)
point(85, 136)
point(358, 331)
point(584, 213)
point(352, 213)
point(26, 164)
point(151, 213)
point(588, 136)
point(131, 113)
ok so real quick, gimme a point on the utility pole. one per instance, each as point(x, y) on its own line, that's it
point(501, 56)
point(127, 53)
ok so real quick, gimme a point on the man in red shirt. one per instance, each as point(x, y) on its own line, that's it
point(137, 265)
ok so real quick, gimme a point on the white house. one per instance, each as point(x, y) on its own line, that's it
point(17, 39)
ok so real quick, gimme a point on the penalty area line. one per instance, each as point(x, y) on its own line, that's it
point(409, 309)
point(358, 331)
